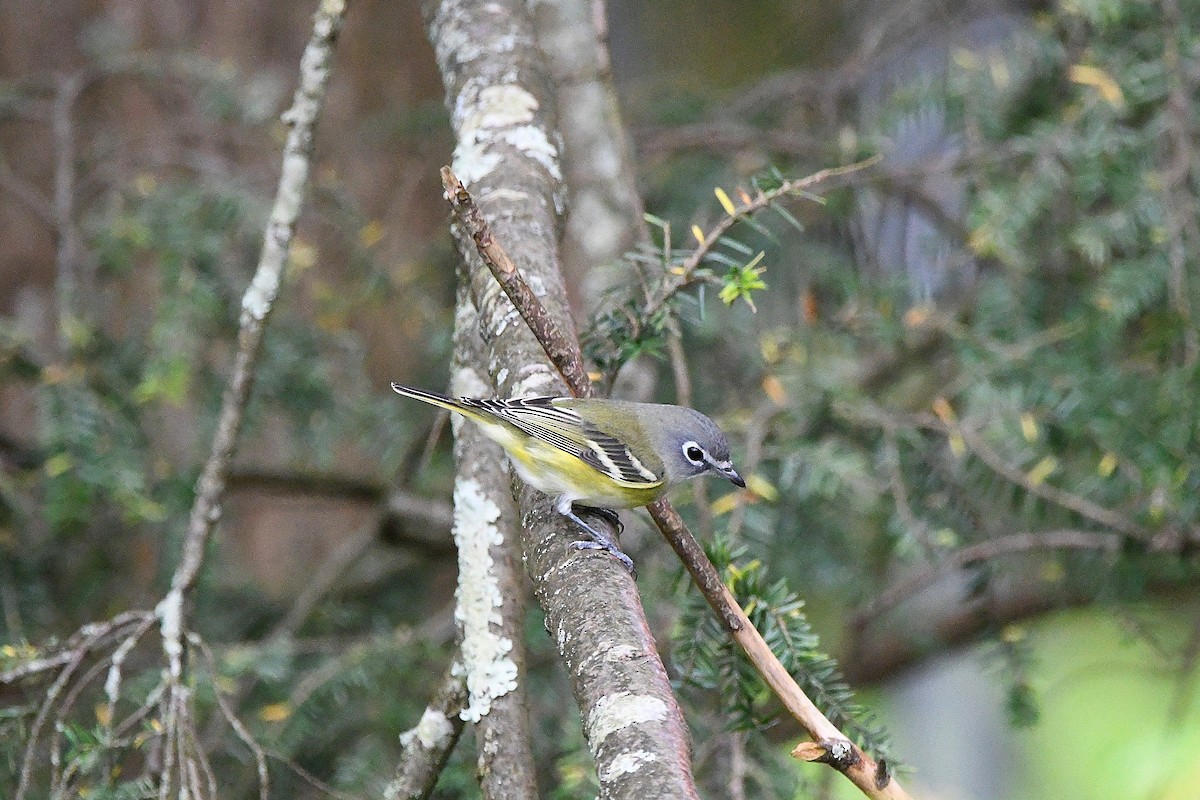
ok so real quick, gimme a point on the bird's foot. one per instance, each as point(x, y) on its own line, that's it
point(611, 549)
point(600, 539)
point(606, 514)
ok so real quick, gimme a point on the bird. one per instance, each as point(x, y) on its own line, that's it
point(596, 455)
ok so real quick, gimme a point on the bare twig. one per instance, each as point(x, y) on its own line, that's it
point(562, 350)
point(260, 755)
point(1072, 502)
point(257, 304)
point(568, 360)
point(69, 254)
point(1036, 541)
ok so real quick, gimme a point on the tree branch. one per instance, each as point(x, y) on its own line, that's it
point(962, 558)
point(490, 599)
point(427, 746)
point(870, 777)
point(508, 152)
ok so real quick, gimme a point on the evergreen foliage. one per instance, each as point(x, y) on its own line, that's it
point(882, 436)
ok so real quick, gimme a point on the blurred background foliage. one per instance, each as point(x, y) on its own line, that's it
point(967, 395)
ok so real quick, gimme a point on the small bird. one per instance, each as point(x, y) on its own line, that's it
point(599, 454)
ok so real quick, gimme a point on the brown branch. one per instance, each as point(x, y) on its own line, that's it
point(562, 350)
point(1037, 541)
point(1060, 497)
point(566, 357)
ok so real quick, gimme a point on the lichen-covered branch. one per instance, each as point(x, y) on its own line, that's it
point(490, 608)
point(428, 744)
point(507, 152)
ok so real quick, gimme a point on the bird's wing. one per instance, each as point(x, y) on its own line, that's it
point(566, 430)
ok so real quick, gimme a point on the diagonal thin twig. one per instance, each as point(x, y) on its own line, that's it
point(873, 779)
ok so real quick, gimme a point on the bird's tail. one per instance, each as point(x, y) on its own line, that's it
point(441, 401)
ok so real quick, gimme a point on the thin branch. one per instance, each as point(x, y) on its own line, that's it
point(259, 299)
point(427, 746)
point(69, 257)
point(562, 350)
point(873, 780)
point(1036, 541)
point(260, 755)
point(257, 304)
point(685, 274)
point(1060, 497)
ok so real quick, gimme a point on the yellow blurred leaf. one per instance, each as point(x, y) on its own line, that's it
point(275, 712)
point(916, 316)
point(1098, 79)
point(698, 233)
point(725, 202)
point(773, 388)
point(1012, 633)
point(944, 411)
point(302, 256)
point(957, 446)
point(103, 714)
point(1053, 571)
point(58, 464)
point(945, 537)
point(1042, 470)
point(371, 233)
point(725, 503)
point(1108, 465)
point(762, 487)
point(965, 59)
point(998, 67)
point(1029, 428)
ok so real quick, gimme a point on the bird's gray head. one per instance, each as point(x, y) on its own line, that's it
point(691, 444)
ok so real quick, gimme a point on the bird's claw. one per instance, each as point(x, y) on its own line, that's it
point(626, 561)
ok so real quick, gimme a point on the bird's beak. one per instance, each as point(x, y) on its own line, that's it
point(734, 478)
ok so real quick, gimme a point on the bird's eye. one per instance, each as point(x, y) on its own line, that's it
point(693, 452)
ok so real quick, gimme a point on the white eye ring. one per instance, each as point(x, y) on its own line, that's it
point(693, 453)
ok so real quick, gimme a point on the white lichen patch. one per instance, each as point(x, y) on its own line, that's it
point(498, 113)
point(533, 142)
point(493, 107)
point(472, 161)
point(618, 711)
point(466, 382)
point(170, 616)
point(626, 763)
point(489, 670)
point(535, 380)
point(261, 293)
point(432, 732)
